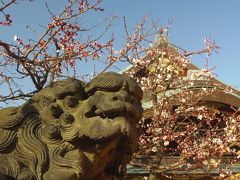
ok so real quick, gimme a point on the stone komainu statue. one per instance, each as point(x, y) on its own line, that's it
point(72, 130)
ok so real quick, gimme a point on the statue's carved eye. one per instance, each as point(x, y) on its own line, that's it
point(66, 121)
point(48, 99)
point(70, 102)
point(55, 110)
point(66, 118)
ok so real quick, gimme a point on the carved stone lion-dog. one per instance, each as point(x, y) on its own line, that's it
point(71, 130)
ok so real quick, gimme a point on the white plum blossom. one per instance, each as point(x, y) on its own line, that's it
point(166, 143)
point(15, 37)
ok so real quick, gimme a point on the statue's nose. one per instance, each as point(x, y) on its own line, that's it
point(120, 96)
point(116, 97)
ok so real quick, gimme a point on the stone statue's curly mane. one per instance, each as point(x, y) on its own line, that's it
point(27, 133)
point(64, 130)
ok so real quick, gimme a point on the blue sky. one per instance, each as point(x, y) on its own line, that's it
point(192, 22)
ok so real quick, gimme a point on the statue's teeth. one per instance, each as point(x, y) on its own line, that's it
point(98, 111)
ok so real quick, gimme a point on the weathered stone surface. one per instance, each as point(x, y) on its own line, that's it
point(72, 130)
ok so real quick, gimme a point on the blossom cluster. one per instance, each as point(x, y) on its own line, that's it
point(181, 121)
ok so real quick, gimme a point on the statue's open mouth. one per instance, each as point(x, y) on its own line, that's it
point(128, 112)
point(94, 144)
point(106, 115)
point(102, 128)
